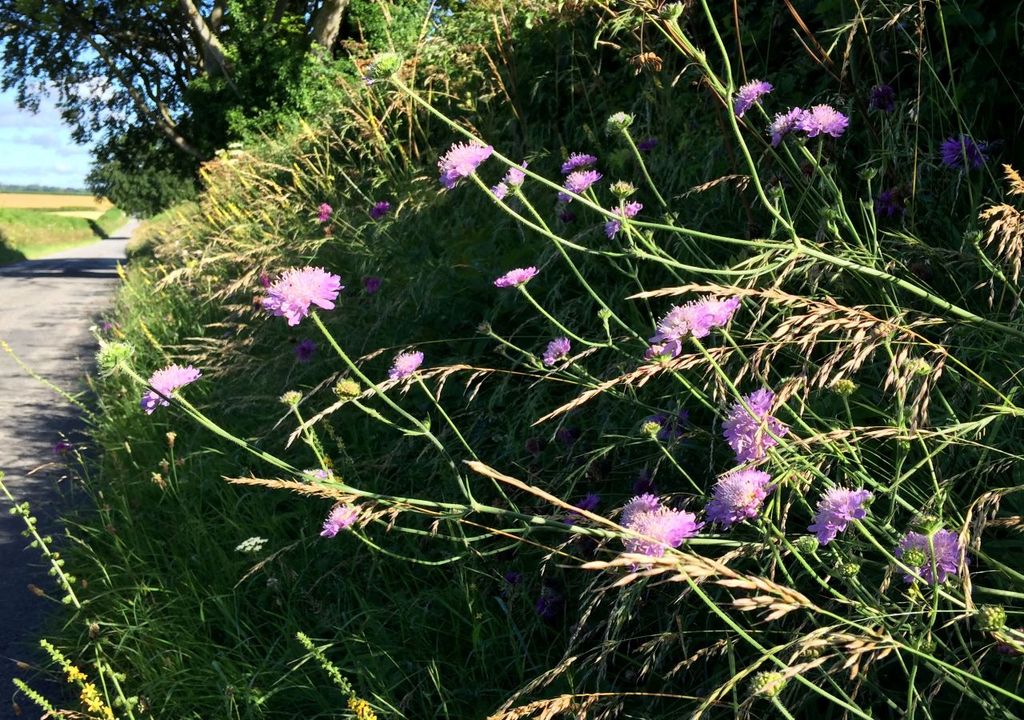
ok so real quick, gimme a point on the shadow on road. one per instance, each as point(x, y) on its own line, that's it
point(97, 268)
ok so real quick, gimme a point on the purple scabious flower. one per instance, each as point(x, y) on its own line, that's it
point(577, 161)
point(836, 509)
point(629, 210)
point(738, 496)
point(588, 502)
point(823, 120)
point(662, 527)
point(371, 284)
point(577, 182)
point(750, 435)
point(557, 349)
point(748, 94)
point(549, 604)
point(380, 209)
point(339, 519)
point(644, 483)
point(942, 550)
point(889, 203)
point(305, 350)
point(499, 191)
point(291, 295)
point(324, 212)
point(955, 150)
point(883, 98)
point(319, 474)
point(62, 447)
point(515, 175)
point(566, 216)
point(461, 161)
point(785, 123)
point(696, 317)
point(647, 144)
point(515, 278)
point(405, 365)
point(164, 382)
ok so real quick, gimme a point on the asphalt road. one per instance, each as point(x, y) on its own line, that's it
point(46, 308)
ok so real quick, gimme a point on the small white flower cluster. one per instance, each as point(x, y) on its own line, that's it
point(251, 545)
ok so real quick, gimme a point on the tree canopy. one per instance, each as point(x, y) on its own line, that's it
point(160, 85)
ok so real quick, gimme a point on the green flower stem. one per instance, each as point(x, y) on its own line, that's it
point(561, 250)
point(44, 548)
point(447, 419)
point(522, 289)
point(771, 655)
point(311, 439)
point(643, 167)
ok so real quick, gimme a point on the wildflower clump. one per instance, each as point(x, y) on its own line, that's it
point(660, 527)
point(748, 94)
point(556, 350)
point(626, 212)
point(164, 382)
point(822, 120)
point(340, 518)
point(516, 277)
point(696, 318)
point(405, 364)
point(750, 430)
point(292, 294)
point(935, 556)
point(738, 496)
point(837, 508)
point(461, 161)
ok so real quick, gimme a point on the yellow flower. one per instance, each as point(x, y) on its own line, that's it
point(361, 708)
point(74, 674)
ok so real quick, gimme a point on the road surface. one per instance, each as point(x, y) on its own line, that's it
point(46, 308)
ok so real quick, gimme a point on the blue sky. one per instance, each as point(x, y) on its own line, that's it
point(38, 148)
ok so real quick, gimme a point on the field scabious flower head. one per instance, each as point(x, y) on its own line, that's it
point(954, 150)
point(697, 317)
point(557, 349)
point(515, 278)
point(662, 527)
point(499, 191)
point(883, 98)
point(380, 209)
point(618, 123)
point(291, 295)
point(784, 123)
point(629, 210)
point(669, 427)
point(405, 365)
point(340, 518)
point(578, 161)
point(823, 120)
point(461, 161)
point(889, 203)
point(738, 496)
point(166, 381)
point(577, 182)
point(305, 350)
point(324, 212)
point(748, 94)
point(837, 508)
point(748, 434)
point(942, 549)
point(371, 284)
point(515, 176)
point(647, 144)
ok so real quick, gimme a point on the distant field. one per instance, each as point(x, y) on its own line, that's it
point(45, 201)
point(32, 232)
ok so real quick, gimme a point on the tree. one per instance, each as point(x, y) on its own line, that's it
point(181, 76)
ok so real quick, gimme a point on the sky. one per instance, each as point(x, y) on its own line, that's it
point(37, 149)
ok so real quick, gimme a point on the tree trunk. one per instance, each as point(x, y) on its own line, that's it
point(215, 61)
point(327, 22)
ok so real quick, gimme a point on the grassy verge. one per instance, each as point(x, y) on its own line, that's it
point(29, 234)
point(884, 331)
